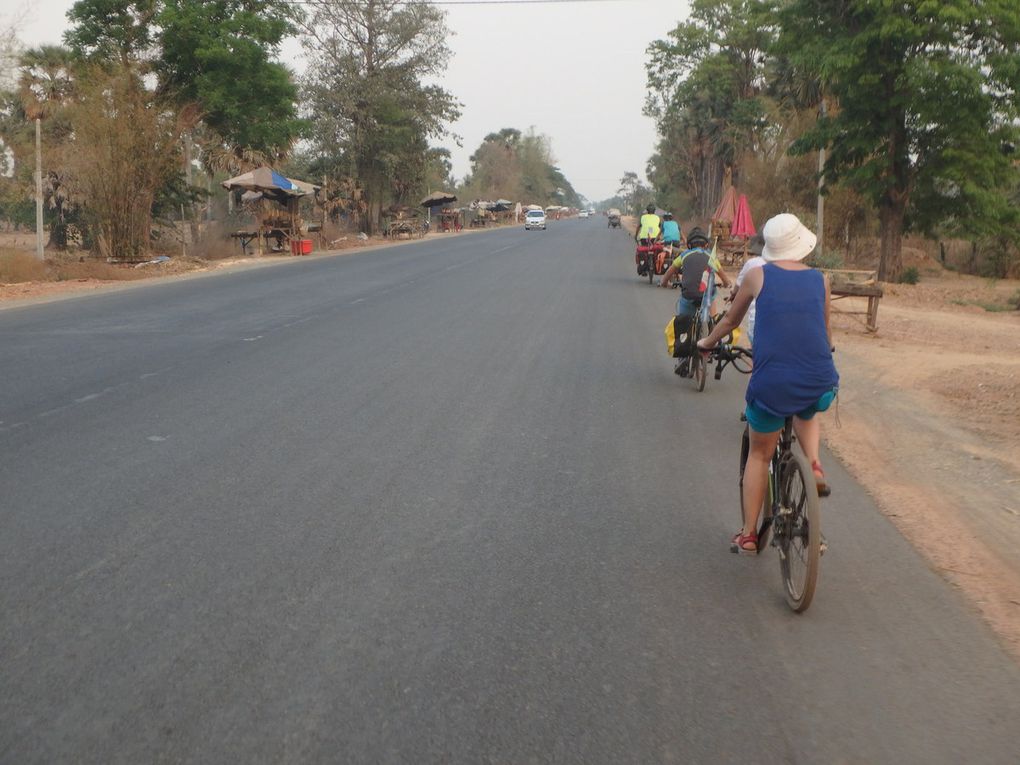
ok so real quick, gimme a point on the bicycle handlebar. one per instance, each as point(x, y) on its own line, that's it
point(725, 354)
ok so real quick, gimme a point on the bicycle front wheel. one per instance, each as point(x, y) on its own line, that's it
point(798, 535)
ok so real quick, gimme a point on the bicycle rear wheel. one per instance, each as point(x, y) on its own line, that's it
point(798, 531)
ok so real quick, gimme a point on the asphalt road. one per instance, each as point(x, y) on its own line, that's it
point(444, 502)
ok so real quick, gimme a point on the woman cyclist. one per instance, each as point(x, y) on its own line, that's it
point(793, 372)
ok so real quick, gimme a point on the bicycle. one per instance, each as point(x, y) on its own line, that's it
point(647, 251)
point(702, 324)
point(791, 511)
point(695, 365)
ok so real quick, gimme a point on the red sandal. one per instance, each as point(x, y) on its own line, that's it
point(744, 544)
point(820, 483)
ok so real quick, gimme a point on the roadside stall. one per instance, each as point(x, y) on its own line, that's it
point(450, 219)
point(502, 211)
point(437, 205)
point(275, 201)
point(405, 223)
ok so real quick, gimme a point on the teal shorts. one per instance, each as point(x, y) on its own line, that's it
point(763, 422)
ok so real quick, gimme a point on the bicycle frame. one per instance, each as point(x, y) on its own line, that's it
point(772, 509)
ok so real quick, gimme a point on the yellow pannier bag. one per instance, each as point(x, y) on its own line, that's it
point(677, 341)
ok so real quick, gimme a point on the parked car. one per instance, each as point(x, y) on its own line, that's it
point(534, 219)
point(582, 214)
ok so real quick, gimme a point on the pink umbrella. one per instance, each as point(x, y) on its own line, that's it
point(726, 210)
point(742, 223)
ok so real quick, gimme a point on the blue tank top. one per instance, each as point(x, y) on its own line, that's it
point(792, 362)
point(670, 231)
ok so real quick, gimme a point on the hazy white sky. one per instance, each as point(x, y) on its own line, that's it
point(574, 71)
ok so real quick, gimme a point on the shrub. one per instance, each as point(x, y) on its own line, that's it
point(828, 259)
point(910, 276)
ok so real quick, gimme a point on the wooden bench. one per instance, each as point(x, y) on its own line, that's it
point(846, 283)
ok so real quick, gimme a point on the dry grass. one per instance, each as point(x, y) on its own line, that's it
point(19, 267)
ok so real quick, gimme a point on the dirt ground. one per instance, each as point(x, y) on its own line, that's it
point(928, 418)
point(929, 423)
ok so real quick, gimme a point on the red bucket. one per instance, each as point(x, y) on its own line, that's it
point(306, 246)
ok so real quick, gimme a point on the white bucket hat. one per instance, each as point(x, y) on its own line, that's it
point(786, 238)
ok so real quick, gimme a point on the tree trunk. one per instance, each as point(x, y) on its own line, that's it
point(890, 216)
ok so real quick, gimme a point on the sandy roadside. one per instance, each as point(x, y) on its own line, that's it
point(929, 422)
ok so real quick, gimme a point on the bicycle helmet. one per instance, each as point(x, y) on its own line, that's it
point(650, 209)
point(667, 216)
point(696, 237)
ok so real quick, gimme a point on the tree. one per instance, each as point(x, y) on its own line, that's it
point(518, 166)
point(106, 31)
point(373, 114)
point(636, 194)
point(45, 87)
point(216, 54)
point(705, 84)
point(213, 57)
point(124, 153)
point(924, 98)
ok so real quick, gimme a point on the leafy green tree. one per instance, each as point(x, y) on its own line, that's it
point(705, 86)
point(924, 97)
point(374, 114)
point(104, 31)
point(216, 54)
point(210, 56)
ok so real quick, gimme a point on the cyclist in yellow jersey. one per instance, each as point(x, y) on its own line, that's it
point(646, 234)
point(648, 229)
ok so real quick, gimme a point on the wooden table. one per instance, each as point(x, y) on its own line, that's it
point(846, 283)
point(245, 238)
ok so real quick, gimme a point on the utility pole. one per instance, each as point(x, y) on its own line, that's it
point(38, 190)
point(820, 229)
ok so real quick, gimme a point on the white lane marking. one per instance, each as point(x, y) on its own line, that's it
point(359, 300)
point(252, 339)
point(93, 396)
point(155, 439)
point(504, 249)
